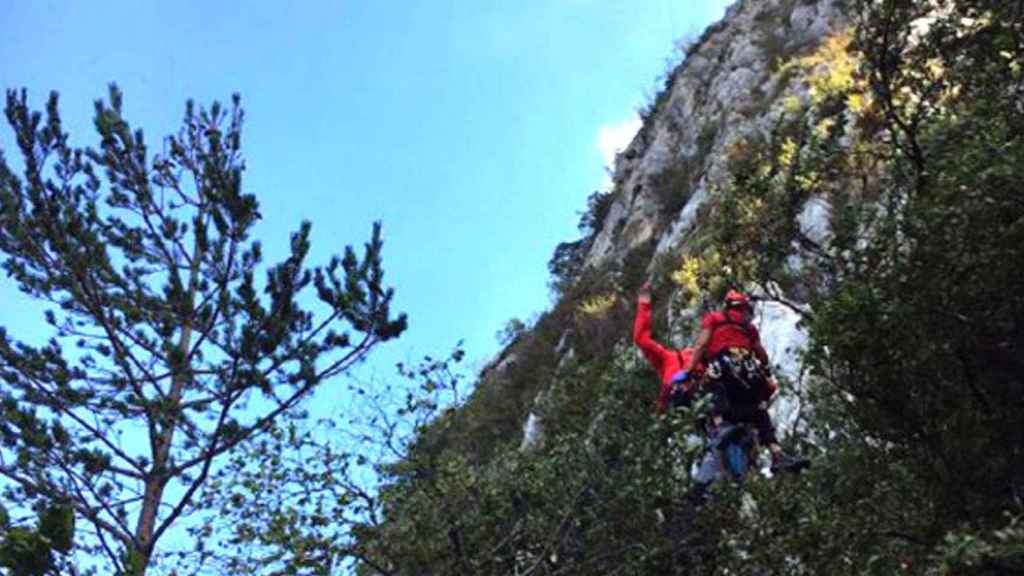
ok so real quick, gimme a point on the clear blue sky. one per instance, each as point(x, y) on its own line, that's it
point(470, 128)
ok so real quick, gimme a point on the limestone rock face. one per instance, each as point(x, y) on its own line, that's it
point(728, 86)
point(732, 84)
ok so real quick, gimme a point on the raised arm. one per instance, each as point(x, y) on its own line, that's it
point(653, 351)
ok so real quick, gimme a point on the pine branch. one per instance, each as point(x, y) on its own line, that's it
point(261, 424)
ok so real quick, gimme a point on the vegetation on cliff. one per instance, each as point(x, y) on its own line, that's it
point(913, 302)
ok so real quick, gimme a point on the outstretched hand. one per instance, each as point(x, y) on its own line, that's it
point(644, 296)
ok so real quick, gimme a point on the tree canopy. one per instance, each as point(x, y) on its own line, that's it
point(167, 352)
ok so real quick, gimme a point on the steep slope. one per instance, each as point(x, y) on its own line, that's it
point(856, 166)
point(733, 83)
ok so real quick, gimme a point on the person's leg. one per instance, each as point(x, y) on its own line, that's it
point(765, 429)
point(781, 462)
point(726, 402)
point(720, 403)
point(754, 394)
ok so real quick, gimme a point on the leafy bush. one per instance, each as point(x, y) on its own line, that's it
point(915, 294)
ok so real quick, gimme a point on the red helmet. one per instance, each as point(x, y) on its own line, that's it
point(736, 299)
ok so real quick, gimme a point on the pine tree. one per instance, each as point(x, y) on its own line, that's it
point(165, 356)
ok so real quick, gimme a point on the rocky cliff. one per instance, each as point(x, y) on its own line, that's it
point(734, 82)
point(864, 178)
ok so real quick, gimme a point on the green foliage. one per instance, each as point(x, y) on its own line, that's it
point(146, 268)
point(1001, 552)
point(588, 501)
point(513, 329)
point(40, 551)
point(598, 205)
point(606, 477)
point(915, 292)
point(308, 498)
point(25, 553)
point(566, 264)
point(913, 303)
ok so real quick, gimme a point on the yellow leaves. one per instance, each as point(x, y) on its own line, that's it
point(837, 79)
point(909, 95)
point(697, 275)
point(791, 105)
point(596, 306)
point(936, 67)
point(831, 71)
point(969, 25)
point(787, 153)
point(747, 156)
point(822, 129)
point(687, 276)
point(750, 211)
point(831, 67)
point(833, 49)
point(862, 158)
point(948, 97)
point(857, 102)
point(807, 180)
point(905, 98)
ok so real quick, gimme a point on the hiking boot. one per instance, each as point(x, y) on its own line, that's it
point(698, 495)
point(784, 463)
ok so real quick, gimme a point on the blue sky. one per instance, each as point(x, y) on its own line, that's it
point(471, 129)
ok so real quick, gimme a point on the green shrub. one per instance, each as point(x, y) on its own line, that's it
point(672, 186)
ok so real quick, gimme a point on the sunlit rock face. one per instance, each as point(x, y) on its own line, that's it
point(532, 432)
point(730, 86)
point(784, 341)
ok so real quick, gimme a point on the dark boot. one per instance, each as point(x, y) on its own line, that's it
point(784, 463)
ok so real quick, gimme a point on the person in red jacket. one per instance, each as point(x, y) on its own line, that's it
point(737, 374)
point(667, 362)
